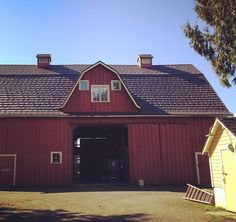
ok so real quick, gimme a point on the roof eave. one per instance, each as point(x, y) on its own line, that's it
point(69, 115)
point(210, 138)
point(214, 129)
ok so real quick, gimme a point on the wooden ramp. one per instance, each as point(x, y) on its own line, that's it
point(199, 195)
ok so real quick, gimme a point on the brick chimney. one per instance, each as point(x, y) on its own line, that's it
point(43, 60)
point(145, 60)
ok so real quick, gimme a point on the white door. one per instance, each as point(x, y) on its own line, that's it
point(229, 175)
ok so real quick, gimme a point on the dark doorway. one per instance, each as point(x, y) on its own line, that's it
point(101, 154)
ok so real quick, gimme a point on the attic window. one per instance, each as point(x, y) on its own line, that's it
point(83, 85)
point(56, 157)
point(100, 93)
point(115, 85)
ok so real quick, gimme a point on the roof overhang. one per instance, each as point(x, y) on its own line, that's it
point(212, 133)
point(57, 113)
point(111, 69)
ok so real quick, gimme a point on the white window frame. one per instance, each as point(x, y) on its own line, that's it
point(87, 85)
point(108, 94)
point(115, 81)
point(56, 152)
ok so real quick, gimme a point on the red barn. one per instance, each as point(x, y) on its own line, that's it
point(63, 124)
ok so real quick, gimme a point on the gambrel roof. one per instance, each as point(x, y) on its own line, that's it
point(161, 90)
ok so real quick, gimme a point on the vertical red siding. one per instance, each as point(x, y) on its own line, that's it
point(161, 150)
point(164, 152)
point(33, 140)
point(144, 153)
point(80, 101)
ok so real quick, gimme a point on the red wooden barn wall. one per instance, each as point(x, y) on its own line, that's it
point(33, 140)
point(163, 153)
point(80, 101)
point(161, 150)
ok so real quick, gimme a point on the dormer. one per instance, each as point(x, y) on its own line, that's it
point(43, 60)
point(100, 89)
point(145, 60)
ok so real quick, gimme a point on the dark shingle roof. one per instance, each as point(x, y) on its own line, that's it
point(163, 89)
point(77, 69)
point(35, 93)
point(230, 123)
point(174, 94)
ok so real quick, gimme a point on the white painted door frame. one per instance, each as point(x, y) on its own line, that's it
point(14, 165)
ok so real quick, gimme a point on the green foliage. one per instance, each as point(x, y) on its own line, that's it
point(217, 41)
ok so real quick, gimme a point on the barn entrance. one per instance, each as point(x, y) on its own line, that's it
point(100, 154)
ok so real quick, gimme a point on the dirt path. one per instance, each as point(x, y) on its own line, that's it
point(106, 204)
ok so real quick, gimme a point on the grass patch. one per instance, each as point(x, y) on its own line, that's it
point(218, 214)
point(212, 208)
point(221, 219)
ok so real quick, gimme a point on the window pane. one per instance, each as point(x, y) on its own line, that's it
point(104, 93)
point(116, 85)
point(96, 94)
point(83, 85)
point(56, 158)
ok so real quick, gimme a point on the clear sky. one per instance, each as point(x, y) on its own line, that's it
point(114, 31)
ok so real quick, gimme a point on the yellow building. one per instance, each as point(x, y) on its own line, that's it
point(221, 149)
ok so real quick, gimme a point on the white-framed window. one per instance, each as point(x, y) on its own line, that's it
point(56, 157)
point(100, 93)
point(83, 85)
point(115, 85)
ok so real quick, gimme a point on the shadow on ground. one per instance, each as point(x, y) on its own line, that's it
point(10, 215)
point(95, 188)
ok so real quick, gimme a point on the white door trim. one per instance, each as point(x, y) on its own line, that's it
point(14, 167)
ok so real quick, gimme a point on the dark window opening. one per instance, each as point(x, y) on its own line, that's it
point(56, 157)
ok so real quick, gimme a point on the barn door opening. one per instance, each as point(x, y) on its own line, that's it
point(203, 169)
point(100, 154)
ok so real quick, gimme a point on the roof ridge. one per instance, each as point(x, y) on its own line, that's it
point(50, 65)
point(178, 64)
point(92, 64)
point(17, 64)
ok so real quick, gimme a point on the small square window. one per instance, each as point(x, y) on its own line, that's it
point(56, 157)
point(83, 85)
point(115, 85)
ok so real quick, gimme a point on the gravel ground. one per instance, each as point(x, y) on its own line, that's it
point(103, 203)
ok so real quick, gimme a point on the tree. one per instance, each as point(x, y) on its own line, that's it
point(217, 40)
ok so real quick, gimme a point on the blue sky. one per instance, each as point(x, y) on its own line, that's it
point(85, 31)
